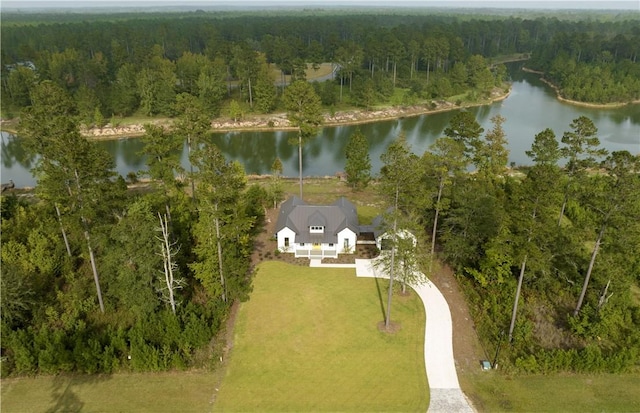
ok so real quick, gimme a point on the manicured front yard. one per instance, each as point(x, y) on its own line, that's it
point(308, 341)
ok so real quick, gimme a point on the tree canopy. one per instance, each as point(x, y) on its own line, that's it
point(120, 64)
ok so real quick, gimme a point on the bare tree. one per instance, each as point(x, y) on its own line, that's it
point(169, 251)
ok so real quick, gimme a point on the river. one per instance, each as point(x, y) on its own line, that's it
point(530, 108)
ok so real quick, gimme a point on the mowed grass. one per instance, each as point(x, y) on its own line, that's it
point(323, 70)
point(325, 191)
point(307, 340)
point(493, 392)
point(144, 392)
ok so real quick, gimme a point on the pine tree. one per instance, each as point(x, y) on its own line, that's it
point(221, 230)
point(358, 164)
point(442, 164)
point(397, 179)
point(533, 203)
point(163, 163)
point(73, 174)
point(613, 201)
point(276, 192)
point(581, 151)
point(304, 112)
point(192, 124)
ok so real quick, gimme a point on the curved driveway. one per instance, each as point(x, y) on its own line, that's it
point(445, 393)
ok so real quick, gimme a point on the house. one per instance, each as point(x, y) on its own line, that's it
point(317, 231)
point(324, 231)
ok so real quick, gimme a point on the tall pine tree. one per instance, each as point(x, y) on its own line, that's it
point(358, 164)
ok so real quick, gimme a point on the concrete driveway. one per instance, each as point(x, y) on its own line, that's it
point(445, 393)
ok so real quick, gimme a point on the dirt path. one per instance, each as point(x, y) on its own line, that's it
point(467, 350)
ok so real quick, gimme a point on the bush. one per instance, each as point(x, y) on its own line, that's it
point(21, 356)
point(409, 98)
point(132, 177)
point(528, 364)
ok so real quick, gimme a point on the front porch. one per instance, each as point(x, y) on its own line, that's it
point(318, 253)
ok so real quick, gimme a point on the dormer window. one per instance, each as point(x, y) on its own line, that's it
point(316, 229)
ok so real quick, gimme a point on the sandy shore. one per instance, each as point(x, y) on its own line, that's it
point(577, 102)
point(279, 121)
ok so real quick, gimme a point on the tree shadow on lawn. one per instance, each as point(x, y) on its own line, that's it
point(393, 326)
point(380, 298)
point(64, 399)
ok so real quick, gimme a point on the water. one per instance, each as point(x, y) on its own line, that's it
point(530, 108)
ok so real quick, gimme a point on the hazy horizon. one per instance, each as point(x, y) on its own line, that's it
point(50, 5)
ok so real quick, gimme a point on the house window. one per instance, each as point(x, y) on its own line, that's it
point(302, 244)
point(331, 245)
point(316, 229)
point(286, 241)
point(346, 243)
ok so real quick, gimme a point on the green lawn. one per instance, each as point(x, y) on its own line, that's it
point(326, 191)
point(185, 392)
point(308, 341)
point(492, 392)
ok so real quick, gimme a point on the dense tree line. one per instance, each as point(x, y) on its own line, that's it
point(96, 278)
point(592, 67)
point(548, 256)
point(117, 66)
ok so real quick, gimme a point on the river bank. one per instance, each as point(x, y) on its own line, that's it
point(559, 96)
point(279, 121)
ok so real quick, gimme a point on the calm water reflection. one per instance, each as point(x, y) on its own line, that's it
point(529, 109)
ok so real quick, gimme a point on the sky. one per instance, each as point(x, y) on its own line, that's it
point(508, 4)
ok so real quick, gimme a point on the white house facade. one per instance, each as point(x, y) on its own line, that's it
point(317, 231)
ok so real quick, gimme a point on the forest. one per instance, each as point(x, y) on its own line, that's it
point(98, 278)
point(548, 256)
point(95, 276)
point(119, 65)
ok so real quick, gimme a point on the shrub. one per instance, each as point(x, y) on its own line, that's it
point(528, 364)
point(22, 356)
point(132, 177)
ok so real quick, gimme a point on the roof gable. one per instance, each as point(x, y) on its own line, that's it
point(298, 216)
point(286, 209)
point(316, 219)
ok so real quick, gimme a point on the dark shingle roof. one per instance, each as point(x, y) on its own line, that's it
point(299, 216)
